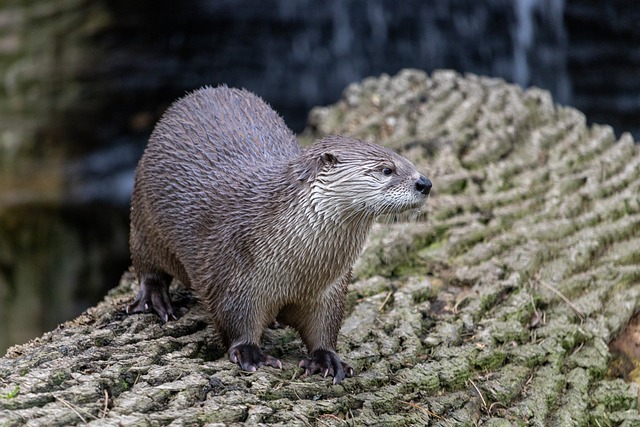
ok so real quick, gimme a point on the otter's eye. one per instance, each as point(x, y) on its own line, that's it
point(387, 171)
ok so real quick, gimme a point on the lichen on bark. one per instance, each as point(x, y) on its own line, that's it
point(494, 307)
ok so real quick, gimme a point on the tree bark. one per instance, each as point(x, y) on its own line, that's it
point(494, 308)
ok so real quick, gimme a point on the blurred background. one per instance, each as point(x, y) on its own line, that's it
point(84, 81)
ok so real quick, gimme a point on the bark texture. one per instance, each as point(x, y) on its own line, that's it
point(494, 308)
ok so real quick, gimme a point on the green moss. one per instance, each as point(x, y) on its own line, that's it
point(499, 422)
point(423, 294)
point(447, 212)
point(59, 376)
point(411, 268)
point(122, 385)
point(419, 378)
point(543, 391)
point(471, 238)
point(593, 356)
point(628, 276)
point(489, 359)
point(437, 235)
point(127, 379)
point(12, 394)
point(508, 331)
point(457, 186)
point(435, 246)
point(419, 261)
point(385, 405)
point(530, 355)
point(351, 302)
point(488, 300)
point(568, 335)
point(612, 396)
point(102, 341)
point(506, 385)
point(453, 374)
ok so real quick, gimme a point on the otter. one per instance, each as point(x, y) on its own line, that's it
point(262, 230)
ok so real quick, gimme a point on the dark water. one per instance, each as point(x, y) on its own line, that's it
point(63, 237)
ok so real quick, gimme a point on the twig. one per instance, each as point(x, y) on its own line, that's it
point(106, 403)
point(331, 416)
point(386, 300)
point(490, 410)
point(137, 378)
point(426, 411)
point(70, 406)
point(535, 309)
point(484, 402)
point(572, 306)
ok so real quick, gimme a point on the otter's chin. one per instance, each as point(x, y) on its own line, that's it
point(410, 210)
point(410, 215)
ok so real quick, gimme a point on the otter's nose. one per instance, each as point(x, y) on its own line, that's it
point(423, 185)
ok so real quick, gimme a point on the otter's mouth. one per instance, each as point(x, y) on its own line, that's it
point(418, 204)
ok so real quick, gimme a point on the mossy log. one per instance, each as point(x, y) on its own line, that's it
point(495, 307)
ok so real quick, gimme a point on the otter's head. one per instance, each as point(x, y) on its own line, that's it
point(351, 177)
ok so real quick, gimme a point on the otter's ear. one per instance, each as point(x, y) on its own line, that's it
point(308, 171)
point(328, 159)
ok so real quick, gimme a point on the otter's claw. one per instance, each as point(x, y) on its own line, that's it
point(326, 362)
point(156, 299)
point(250, 358)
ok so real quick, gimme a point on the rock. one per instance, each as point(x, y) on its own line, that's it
point(495, 307)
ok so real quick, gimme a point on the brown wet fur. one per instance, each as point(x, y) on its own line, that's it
point(227, 202)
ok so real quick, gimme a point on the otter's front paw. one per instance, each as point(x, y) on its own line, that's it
point(327, 362)
point(250, 358)
point(153, 299)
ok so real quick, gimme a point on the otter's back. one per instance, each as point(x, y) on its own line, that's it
point(224, 126)
point(206, 158)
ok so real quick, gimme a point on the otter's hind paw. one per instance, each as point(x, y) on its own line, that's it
point(327, 362)
point(250, 358)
